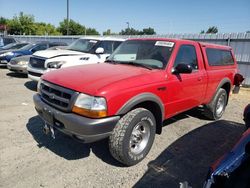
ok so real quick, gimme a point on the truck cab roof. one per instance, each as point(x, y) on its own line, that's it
point(103, 38)
point(203, 44)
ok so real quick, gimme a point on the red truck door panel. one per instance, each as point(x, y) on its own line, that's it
point(186, 91)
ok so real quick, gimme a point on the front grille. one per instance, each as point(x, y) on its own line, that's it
point(35, 74)
point(57, 96)
point(37, 62)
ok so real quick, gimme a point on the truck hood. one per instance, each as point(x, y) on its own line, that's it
point(56, 53)
point(93, 79)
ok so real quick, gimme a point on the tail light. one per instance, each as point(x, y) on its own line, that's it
point(238, 79)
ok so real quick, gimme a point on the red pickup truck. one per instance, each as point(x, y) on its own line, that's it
point(126, 99)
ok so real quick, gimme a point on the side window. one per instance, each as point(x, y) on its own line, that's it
point(187, 55)
point(39, 47)
point(217, 57)
point(107, 46)
point(116, 44)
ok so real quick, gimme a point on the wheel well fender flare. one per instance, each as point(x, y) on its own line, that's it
point(222, 82)
point(143, 97)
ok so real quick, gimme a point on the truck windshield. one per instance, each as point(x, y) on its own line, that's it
point(82, 45)
point(150, 53)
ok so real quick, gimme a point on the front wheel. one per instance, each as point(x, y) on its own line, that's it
point(133, 136)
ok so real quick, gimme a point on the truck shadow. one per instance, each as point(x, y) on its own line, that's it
point(195, 112)
point(189, 157)
point(31, 85)
point(66, 147)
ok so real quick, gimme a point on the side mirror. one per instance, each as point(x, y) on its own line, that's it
point(33, 50)
point(182, 68)
point(99, 50)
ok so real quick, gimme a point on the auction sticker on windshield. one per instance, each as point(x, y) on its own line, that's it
point(164, 43)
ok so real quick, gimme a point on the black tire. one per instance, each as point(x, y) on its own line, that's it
point(121, 142)
point(215, 109)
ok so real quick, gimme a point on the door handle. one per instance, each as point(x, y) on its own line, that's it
point(199, 79)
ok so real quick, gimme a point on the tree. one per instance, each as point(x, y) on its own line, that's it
point(46, 29)
point(212, 29)
point(108, 32)
point(22, 24)
point(75, 28)
point(202, 32)
point(129, 31)
point(147, 31)
point(3, 24)
point(3, 21)
point(132, 31)
point(92, 31)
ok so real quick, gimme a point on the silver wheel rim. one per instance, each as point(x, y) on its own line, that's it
point(220, 105)
point(139, 137)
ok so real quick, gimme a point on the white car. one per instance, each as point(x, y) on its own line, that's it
point(87, 50)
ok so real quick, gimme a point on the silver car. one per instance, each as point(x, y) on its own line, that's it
point(19, 64)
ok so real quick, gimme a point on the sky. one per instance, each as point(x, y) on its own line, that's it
point(165, 16)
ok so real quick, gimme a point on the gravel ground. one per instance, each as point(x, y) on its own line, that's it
point(28, 158)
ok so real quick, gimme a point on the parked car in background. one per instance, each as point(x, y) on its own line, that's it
point(87, 50)
point(127, 98)
point(26, 50)
point(13, 46)
point(19, 64)
point(5, 40)
point(232, 170)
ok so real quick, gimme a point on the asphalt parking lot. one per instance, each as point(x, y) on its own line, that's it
point(183, 152)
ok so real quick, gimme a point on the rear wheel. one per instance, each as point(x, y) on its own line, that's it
point(133, 136)
point(215, 109)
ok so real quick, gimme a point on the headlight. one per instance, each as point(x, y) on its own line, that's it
point(94, 107)
point(55, 64)
point(22, 63)
point(39, 85)
point(7, 54)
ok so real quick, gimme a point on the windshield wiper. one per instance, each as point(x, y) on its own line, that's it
point(137, 64)
point(111, 61)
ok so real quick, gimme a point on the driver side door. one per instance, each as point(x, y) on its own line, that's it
point(186, 90)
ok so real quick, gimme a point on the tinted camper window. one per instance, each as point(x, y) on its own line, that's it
point(217, 57)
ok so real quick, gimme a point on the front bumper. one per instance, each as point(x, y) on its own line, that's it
point(35, 74)
point(18, 68)
point(3, 62)
point(85, 129)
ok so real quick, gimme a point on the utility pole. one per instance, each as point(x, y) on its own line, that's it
point(127, 24)
point(128, 30)
point(67, 17)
